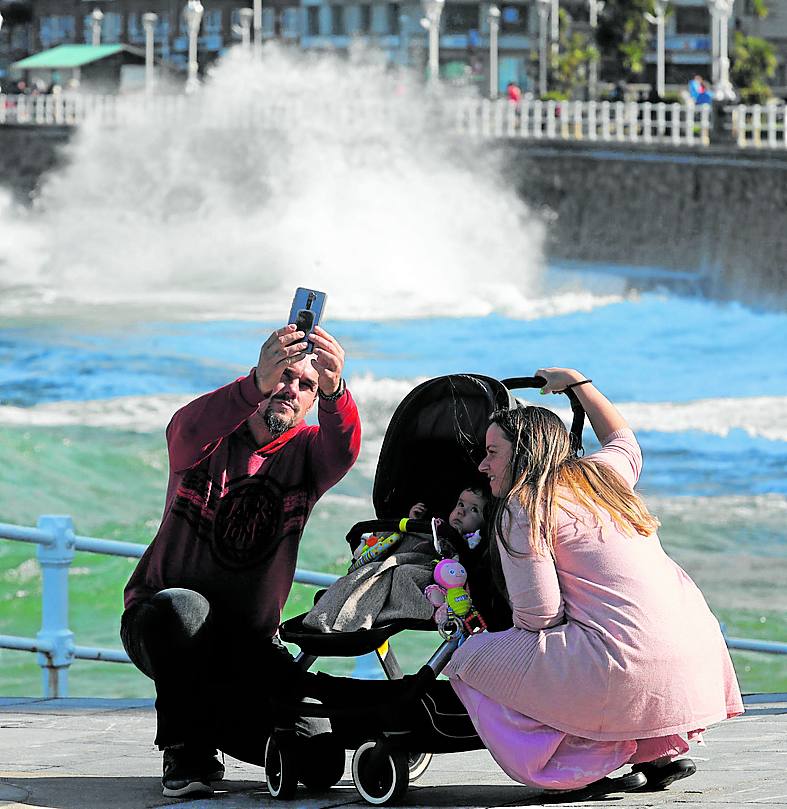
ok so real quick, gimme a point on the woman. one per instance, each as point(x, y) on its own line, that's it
point(614, 656)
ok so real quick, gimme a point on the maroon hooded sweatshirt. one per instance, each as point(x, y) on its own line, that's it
point(235, 511)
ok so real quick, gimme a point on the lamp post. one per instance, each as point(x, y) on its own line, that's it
point(554, 31)
point(149, 21)
point(257, 12)
point(720, 12)
point(657, 19)
point(193, 15)
point(493, 18)
point(404, 42)
point(433, 10)
point(97, 16)
point(544, 7)
point(246, 17)
point(595, 8)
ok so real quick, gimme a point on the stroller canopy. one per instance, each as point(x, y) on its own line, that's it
point(434, 443)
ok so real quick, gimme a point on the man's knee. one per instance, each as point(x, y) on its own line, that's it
point(181, 611)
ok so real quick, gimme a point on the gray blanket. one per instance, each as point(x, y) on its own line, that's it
point(376, 593)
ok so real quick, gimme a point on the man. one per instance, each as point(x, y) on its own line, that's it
point(204, 603)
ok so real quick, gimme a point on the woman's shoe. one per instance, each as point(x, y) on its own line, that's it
point(660, 776)
point(604, 786)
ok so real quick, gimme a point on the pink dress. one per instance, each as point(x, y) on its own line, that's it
point(614, 656)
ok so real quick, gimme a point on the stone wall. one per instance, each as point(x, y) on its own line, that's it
point(720, 212)
point(27, 153)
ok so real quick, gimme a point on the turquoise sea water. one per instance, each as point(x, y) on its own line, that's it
point(84, 401)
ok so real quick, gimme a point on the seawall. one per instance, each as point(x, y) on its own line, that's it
point(717, 212)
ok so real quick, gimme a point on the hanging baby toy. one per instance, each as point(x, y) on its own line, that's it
point(450, 597)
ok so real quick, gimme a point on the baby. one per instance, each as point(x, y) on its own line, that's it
point(467, 517)
point(466, 520)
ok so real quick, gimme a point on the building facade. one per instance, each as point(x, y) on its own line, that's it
point(393, 27)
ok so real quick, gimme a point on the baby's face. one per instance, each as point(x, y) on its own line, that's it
point(468, 512)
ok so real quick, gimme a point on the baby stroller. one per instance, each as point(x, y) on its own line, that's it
point(431, 450)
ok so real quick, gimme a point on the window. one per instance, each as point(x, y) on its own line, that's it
point(313, 21)
point(692, 20)
point(337, 21)
point(513, 20)
point(460, 18)
point(393, 17)
point(365, 19)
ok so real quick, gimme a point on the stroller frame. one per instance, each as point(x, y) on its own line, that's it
point(385, 761)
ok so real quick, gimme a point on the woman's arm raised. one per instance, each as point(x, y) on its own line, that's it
point(603, 415)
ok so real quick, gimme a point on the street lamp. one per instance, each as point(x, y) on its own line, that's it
point(257, 12)
point(595, 8)
point(720, 12)
point(493, 18)
point(554, 34)
point(246, 16)
point(433, 10)
point(404, 43)
point(544, 7)
point(193, 15)
point(657, 19)
point(97, 16)
point(149, 20)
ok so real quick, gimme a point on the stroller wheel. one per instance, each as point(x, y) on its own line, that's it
point(380, 774)
point(417, 764)
point(281, 767)
point(323, 760)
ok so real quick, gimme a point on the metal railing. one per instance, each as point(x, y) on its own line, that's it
point(57, 543)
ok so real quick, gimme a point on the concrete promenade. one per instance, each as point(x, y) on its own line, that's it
point(96, 754)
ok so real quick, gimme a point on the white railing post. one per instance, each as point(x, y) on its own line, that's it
point(620, 120)
point(55, 560)
point(551, 107)
point(675, 128)
point(771, 125)
point(605, 107)
point(756, 120)
point(690, 109)
point(705, 124)
point(538, 119)
point(525, 108)
point(592, 119)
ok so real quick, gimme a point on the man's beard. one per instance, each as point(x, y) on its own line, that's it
point(278, 423)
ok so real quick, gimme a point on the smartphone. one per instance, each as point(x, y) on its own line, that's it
point(308, 307)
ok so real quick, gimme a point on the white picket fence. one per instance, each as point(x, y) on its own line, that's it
point(593, 121)
point(760, 126)
point(679, 124)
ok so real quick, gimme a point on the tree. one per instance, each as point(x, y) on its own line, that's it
point(624, 33)
point(753, 63)
point(569, 69)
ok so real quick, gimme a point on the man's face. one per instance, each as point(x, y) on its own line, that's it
point(292, 398)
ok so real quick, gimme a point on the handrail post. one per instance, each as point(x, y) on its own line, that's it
point(55, 560)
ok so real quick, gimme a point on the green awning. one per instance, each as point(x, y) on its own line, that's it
point(65, 56)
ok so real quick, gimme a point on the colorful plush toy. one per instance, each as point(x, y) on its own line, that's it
point(372, 549)
point(448, 595)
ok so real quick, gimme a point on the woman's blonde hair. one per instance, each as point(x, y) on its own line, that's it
point(542, 461)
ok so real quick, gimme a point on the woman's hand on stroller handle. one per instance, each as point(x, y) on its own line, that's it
point(556, 380)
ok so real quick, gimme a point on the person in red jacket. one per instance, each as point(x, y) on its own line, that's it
point(203, 605)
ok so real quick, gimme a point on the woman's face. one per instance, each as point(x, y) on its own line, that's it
point(497, 463)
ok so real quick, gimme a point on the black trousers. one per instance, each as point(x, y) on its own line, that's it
point(217, 686)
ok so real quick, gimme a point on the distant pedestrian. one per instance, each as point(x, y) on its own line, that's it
point(513, 92)
point(699, 92)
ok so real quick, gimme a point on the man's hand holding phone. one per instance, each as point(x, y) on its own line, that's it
point(328, 359)
point(283, 348)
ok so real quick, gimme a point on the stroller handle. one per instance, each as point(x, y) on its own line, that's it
point(578, 419)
